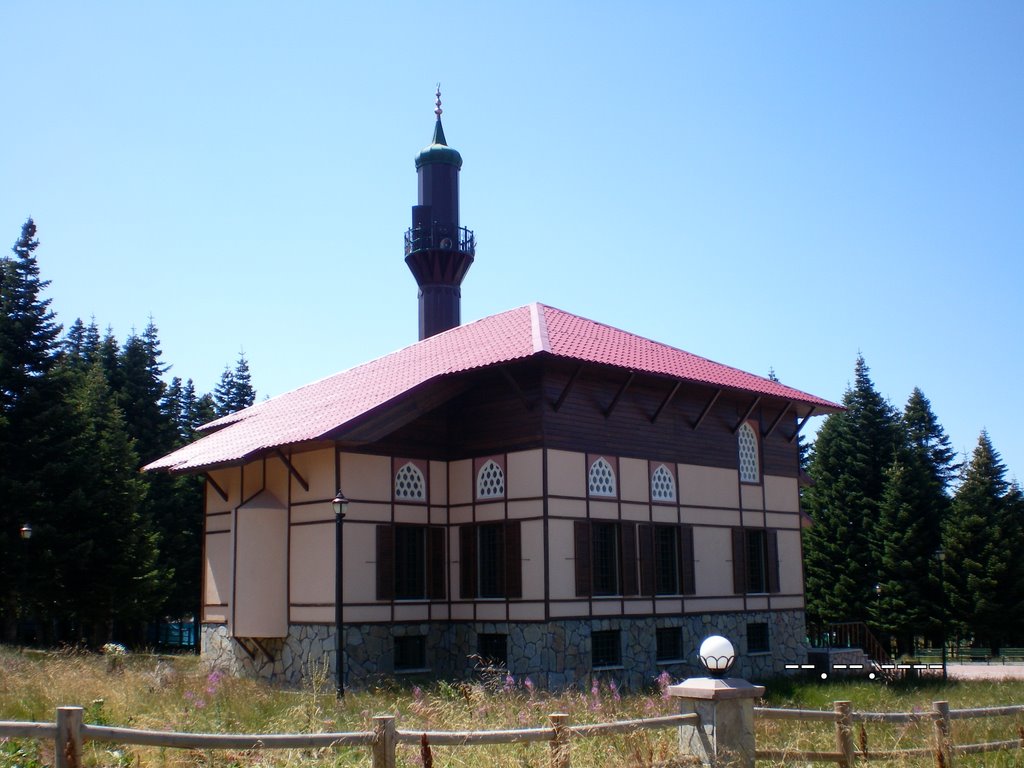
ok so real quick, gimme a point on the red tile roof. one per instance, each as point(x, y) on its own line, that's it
point(316, 410)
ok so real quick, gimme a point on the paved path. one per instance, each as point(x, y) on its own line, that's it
point(986, 671)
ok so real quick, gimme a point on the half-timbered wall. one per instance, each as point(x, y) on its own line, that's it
point(585, 470)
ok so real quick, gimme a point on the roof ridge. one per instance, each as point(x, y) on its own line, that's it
point(539, 328)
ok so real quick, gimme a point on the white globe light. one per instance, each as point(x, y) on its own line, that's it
point(717, 655)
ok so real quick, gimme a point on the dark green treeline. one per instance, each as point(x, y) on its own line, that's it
point(904, 537)
point(111, 549)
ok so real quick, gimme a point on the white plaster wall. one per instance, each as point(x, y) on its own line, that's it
point(708, 486)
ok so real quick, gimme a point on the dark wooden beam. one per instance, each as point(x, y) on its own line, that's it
point(220, 491)
point(565, 391)
point(666, 401)
point(619, 394)
point(292, 470)
point(707, 409)
point(803, 421)
point(516, 388)
point(746, 415)
point(778, 418)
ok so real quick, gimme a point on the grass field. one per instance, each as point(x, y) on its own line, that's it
point(181, 695)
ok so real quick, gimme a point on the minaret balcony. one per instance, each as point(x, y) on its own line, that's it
point(440, 237)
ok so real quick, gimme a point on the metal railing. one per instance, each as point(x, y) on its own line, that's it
point(441, 237)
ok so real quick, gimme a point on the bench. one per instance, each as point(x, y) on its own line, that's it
point(975, 655)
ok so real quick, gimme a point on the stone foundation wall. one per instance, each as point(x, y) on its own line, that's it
point(555, 654)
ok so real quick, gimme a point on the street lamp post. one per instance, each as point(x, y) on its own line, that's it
point(941, 555)
point(26, 533)
point(339, 503)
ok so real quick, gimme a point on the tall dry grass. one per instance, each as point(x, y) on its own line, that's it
point(180, 694)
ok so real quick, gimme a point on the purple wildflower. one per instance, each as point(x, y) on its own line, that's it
point(528, 685)
point(510, 683)
point(664, 681)
point(615, 691)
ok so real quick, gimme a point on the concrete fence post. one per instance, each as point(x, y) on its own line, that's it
point(68, 746)
point(560, 750)
point(844, 731)
point(943, 753)
point(724, 737)
point(385, 741)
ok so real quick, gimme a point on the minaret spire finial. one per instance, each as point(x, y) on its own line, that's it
point(437, 103)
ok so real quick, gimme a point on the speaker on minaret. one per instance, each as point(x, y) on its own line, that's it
point(438, 251)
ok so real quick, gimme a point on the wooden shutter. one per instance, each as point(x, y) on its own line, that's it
point(739, 561)
point(385, 562)
point(467, 562)
point(772, 561)
point(627, 540)
point(645, 533)
point(581, 541)
point(513, 560)
point(687, 568)
point(436, 563)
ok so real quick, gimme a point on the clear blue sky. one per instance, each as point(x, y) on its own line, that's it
point(767, 184)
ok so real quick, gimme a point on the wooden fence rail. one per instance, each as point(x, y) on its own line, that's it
point(69, 733)
point(943, 748)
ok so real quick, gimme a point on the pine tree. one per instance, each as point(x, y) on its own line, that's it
point(930, 439)
point(223, 393)
point(244, 393)
point(851, 453)
point(141, 393)
point(982, 541)
point(905, 603)
point(107, 550)
point(234, 391)
point(31, 418)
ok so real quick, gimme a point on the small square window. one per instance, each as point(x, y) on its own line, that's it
point(757, 638)
point(410, 653)
point(669, 643)
point(606, 648)
point(492, 649)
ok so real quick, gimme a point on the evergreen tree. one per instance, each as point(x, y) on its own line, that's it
point(141, 393)
point(244, 394)
point(223, 393)
point(930, 439)
point(31, 418)
point(851, 453)
point(982, 540)
point(234, 391)
point(106, 561)
point(906, 601)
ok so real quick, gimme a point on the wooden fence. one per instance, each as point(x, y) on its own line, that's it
point(69, 733)
point(943, 748)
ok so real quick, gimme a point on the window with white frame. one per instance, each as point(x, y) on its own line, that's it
point(750, 471)
point(663, 485)
point(601, 478)
point(490, 481)
point(410, 485)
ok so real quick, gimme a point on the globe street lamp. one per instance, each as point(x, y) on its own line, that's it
point(717, 655)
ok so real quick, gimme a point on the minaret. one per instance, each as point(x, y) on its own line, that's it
point(438, 251)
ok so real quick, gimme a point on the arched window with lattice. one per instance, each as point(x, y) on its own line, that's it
point(750, 469)
point(490, 481)
point(601, 478)
point(663, 485)
point(410, 484)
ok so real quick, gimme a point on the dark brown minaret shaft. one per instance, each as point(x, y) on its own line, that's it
point(438, 251)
